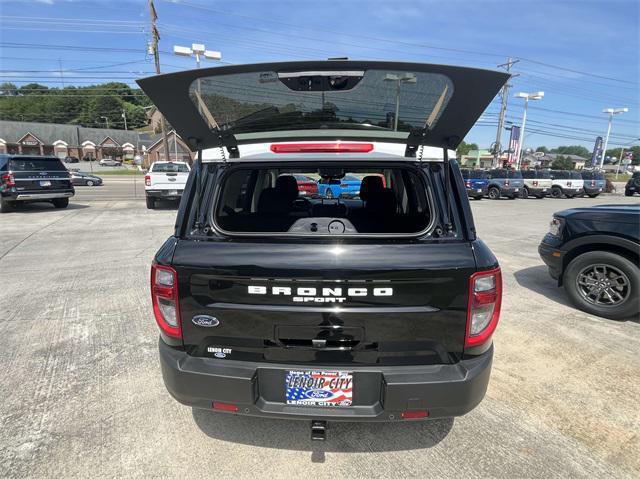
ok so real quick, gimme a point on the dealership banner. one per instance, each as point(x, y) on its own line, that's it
point(514, 144)
point(597, 152)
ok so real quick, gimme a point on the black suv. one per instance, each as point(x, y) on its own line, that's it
point(633, 185)
point(33, 178)
point(594, 253)
point(377, 308)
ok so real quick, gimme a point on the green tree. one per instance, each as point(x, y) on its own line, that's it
point(8, 89)
point(465, 148)
point(543, 149)
point(562, 163)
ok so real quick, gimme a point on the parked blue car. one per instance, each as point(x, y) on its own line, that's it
point(505, 182)
point(477, 183)
point(347, 187)
point(594, 183)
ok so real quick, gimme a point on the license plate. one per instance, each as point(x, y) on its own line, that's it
point(319, 388)
point(516, 190)
point(544, 189)
point(478, 191)
point(173, 192)
point(45, 183)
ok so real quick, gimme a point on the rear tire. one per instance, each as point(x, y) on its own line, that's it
point(525, 193)
point(151, 203)
point(89, 183)
point(477, 197)
point(61, 202)
point(628, 193)
point(580, 268)
point(494, 193)
point(6, 206)
point(593, 196)
point(569, 196)
point(556, 192)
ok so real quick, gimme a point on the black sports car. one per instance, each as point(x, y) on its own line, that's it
point(85, 179)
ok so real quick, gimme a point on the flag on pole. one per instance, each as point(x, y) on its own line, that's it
point(514, 145)
point(597, 152)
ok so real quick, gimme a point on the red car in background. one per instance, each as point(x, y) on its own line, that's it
point(306, 186)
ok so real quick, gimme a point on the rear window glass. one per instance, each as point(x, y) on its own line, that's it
point(36, 164)
point(575, 175)
point(268, 100)
point(561, 175)
point(169, 168)
point(348, 201)
point(478, 174)
point(514, 174)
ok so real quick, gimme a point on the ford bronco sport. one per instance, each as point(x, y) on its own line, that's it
point(376, 308)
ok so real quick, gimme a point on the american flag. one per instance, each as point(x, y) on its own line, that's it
point(514, 144)
point(333, 388)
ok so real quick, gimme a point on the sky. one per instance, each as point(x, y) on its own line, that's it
point(582, 53)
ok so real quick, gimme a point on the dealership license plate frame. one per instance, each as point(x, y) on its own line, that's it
point(45, 183)
point(319, 388)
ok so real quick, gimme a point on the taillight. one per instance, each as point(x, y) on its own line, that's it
point(535, 182)
point(468, 184)
point(593, 183)
point(147, 180)
point(506, 182)
point(8, 179)
point(164, 297)
point(485, 298)
point(336, 147)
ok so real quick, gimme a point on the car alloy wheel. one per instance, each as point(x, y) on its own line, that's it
point(89, 183)
point(494, 193)
point(556, 192)
point(525, 193)
point(603, 285)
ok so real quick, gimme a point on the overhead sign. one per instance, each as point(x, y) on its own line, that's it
point(514, 144)
point(596, 156)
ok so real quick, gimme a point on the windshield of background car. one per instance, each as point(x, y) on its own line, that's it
point(170, 168)
point(270, 101)
point(385, 200)
point(36, 164)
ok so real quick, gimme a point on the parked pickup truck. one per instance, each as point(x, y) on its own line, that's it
point(376, 308)
point(165, 180)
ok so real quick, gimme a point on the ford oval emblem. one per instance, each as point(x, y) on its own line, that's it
point(220, 355)
point(205, 321)
point(318, 394)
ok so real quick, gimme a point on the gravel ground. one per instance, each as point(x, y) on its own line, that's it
point(82, 394)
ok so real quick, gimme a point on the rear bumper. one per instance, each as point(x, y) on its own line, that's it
point(380, 393)
point(36, 196)
point(539, 191)
point(593, 190)
point(510, 191)
point(477, 192)
point(572, 191)
point(166, 194)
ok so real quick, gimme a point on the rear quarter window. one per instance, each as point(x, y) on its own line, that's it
point(169, 168)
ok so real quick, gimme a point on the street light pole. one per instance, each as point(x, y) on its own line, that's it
point(610, 112)
point(106, 120)
point(527, 96)
point(406, 78)
point(197, 49)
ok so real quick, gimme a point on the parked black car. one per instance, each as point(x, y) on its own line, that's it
point(85, 179)
point(379, 308)
point(633, 185)
point(594, 253)
point(505, 182)
point(71, 159)
point(594, 182)
point(33, 178)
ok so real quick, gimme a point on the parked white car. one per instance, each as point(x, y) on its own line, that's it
point(567, 183)
point(109, 162)
point(165, 180)
point(536, 183)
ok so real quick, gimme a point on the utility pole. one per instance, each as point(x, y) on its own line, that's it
point(504, 94)
point(155, 36)
point(124, 116)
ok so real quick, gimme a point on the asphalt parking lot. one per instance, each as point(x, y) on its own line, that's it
point(82, 394)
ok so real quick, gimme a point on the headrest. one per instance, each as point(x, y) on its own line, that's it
point(272, 202)
point(370, 186)
point(287, 186)
point(383, 202)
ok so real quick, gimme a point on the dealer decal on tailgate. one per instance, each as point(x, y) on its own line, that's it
point(319, 388)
